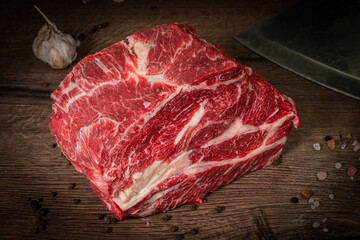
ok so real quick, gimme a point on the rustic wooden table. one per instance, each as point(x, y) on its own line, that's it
point(256, 205)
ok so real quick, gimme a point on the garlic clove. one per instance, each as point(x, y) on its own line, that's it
point(56, 60)
point(62, 51)
point(54, 47)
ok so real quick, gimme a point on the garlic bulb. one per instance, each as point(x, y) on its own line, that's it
point(54, 47)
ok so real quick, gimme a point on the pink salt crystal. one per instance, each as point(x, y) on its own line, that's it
point(338, 165)
point(316, 224)
point(321, 175)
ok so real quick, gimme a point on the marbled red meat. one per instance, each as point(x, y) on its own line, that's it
point(165, 117)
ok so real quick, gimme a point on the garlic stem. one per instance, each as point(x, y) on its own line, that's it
point(45, 17)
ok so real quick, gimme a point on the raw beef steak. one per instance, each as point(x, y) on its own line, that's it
point(164, 117)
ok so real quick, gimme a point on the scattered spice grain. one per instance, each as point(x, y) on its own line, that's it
point(72, 185)
point(109, 230)
point(53, 194)
point(331, 144)
point(174, 228)
point(40, 222)
point(321, 176)
point(114, 220)
point(331, 196)
point(194, 231)
point(355, 142)
point(316, 224)
point(343, 146)
point(99, 27)
point(53, 145)
point(44, 211)
point(316, 204)
point(306, 194)
point(35, 220)
point(101, 216)
point(77, 201)
point(180, 236)
point(107, 219)
point(338, 165)
point(166, 218)
point(325, 230)
point(35, 205)
point(327, 138)
point(348, 136)
point(356, 148)
point(317, 146)
point(324, 220)
point(36, 230)
point(352, 171)
point(219, 209)
point(294, 200)
point(194, 207)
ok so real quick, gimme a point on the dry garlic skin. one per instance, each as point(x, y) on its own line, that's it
point(54, 47)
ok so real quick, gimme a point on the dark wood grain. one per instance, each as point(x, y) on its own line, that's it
point(257, 206)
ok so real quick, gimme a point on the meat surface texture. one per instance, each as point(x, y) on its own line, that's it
point(165, 117)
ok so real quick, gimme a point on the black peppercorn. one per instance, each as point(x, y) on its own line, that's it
point(194, 231)
point(180, 236)
point(43, 211)
point(107, 219)
point(327, 138)
point(166, 218)
point(174, 228)
point(35, 205)
point(114, 220)
point(294, 200)
point(219, 209)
